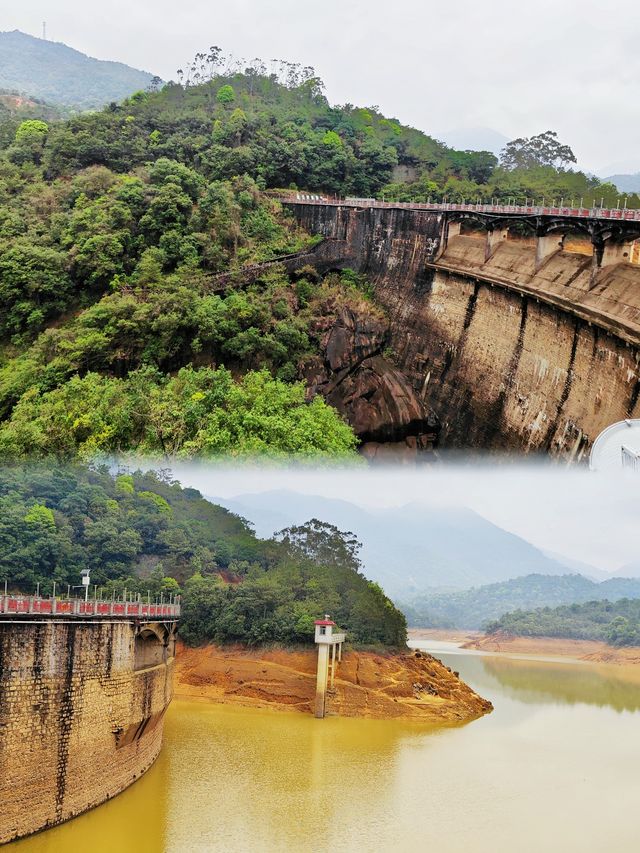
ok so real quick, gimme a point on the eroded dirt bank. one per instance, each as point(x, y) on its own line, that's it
point(587, 650)
point(412, 685)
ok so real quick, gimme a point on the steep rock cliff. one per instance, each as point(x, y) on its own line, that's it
point(375, 397)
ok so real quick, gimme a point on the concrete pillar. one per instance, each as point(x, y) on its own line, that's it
point(494, 238)
point(321, 679)
point(546, 246)
point(618, 252)
point(448, 231)
point(453, 230)
point(333, 664)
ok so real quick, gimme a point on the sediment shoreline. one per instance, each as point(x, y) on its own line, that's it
point(590, 651)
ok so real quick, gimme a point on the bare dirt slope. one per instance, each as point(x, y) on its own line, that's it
point(413, 685)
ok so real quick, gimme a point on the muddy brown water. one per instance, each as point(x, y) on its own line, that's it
point(553, 768)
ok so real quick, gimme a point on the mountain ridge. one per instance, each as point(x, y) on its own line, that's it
point(474, 608)
point(410, 549)
point(62, 75)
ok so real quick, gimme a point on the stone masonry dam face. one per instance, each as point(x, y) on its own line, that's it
point(81, 714)
point(509, 354)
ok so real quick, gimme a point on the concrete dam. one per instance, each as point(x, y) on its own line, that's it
point(519, 330)
point(83, 692)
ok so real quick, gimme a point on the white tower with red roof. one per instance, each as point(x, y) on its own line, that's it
point(326, 637)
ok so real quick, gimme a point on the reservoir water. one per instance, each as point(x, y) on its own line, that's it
point(556, 767)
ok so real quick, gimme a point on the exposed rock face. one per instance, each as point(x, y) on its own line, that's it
point(381, 405)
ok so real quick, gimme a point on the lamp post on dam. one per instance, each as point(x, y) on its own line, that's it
point(326, 638)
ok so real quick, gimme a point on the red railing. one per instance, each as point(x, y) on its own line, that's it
point(622, 214)
point(34, 605)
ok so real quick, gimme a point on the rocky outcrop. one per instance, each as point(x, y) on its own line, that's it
point(355, 377)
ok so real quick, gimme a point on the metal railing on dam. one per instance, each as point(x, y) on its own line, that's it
point(606, 213)
point(34, 605)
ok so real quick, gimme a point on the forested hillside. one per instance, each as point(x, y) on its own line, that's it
point(617, 623)
point(56, 73)
point(474, 608)
point(143, 532)
point(117, 332)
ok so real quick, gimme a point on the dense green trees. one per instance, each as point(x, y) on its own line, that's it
point(120, 374)
point(142, 531)
point(55, 521)
point(131, 257)
point(317, 570)
point(67, 242)
point(617, 623)
point(196, 412)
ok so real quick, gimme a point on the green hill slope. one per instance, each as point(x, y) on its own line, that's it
point(617, 623)
point(143, 532)
point(61, 75)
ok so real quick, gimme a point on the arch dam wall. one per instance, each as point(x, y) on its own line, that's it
point(511, 350)
point(81, 714)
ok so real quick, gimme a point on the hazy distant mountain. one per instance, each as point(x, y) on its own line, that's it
point(578, 567)
point(629, 570)
point(61, 75)
point(626, 183)
point(409, 549)
point(473, 608)
point(475, 139)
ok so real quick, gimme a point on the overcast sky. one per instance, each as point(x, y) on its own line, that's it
point(583, 515)
point(520, 68)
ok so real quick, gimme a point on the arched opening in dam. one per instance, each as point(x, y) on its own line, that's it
point(150, 647)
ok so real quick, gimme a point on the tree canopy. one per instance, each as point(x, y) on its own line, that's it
point(142, 531)
point(617, 623)
point(542, 150)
